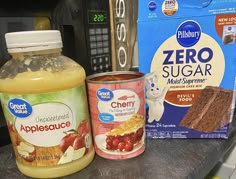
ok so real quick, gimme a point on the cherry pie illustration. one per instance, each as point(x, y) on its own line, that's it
point(126, 136)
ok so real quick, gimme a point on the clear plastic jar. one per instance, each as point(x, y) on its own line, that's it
point(43, 95)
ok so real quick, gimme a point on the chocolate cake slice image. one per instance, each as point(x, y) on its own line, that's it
point(228, 39)
point(210, 111)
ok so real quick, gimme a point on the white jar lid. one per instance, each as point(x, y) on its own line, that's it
point(25, 41)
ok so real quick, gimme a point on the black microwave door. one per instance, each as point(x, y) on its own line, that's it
point(68, 18)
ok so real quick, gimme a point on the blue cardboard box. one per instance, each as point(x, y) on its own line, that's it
point(187, 49)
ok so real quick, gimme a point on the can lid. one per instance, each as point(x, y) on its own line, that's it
point(25, 41)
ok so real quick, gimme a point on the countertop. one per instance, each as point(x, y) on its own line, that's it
point(162, 159)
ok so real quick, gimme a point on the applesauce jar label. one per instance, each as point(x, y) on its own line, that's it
point(50, 128)
point(117, 113)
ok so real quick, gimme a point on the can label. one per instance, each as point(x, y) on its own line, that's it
point(117, 113)
point(48, 129)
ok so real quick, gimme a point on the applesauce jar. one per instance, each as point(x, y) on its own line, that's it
point(43, 95)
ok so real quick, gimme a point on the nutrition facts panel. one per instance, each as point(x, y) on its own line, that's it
point(99, 47)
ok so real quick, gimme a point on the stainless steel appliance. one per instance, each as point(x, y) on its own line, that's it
point(124, 34)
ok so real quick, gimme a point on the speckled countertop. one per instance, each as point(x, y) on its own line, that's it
point(162, 159)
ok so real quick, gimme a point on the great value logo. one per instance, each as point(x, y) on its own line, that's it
point(19, 108)
point(104, 94)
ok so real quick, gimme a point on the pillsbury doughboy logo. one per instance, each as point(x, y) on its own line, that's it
point(19, 108)
point(152, 5)
point(188, 33)
point(104, 94)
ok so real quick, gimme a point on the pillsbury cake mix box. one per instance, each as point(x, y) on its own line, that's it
point(187, 50)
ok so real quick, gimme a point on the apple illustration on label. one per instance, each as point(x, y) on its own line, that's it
point(75, 143)
point(79, 142)
point(67, 140)
point(67, 156)
point(71, 154)
point(82, 142)
point(79, 153)
point(26, 151)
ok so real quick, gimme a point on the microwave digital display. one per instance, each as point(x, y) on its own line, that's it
point(97, 17)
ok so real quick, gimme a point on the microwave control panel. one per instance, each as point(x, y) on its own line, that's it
point(99, 49)
point(99, 41)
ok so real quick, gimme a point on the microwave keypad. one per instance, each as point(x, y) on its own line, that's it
point(99, 50)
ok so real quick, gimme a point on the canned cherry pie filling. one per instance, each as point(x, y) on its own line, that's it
point(116, 101)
